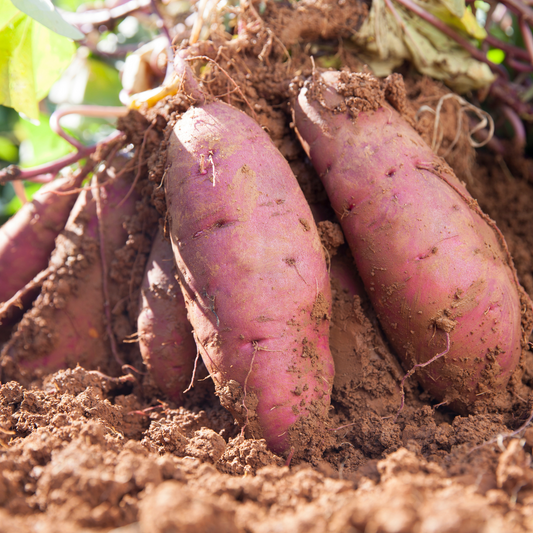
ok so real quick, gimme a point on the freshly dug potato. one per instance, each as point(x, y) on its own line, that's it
point(28, 238)
point(165, 335)
point(432, 263)
point(66, 325)
point(253, 273)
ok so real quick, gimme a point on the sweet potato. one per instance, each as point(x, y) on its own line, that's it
point(165, 334)
point(66, 325)
point(253, 274)
point(28, 238)
point(432, 263)
point(366, 372)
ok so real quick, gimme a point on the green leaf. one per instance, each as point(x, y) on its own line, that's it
point(43, 11)
point(8, 118)
point(7, 13)
point(467, 23)
point(103, 85)
point(31, 59)
point(8, 151)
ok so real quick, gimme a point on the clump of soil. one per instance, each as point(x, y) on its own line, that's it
point(83, 451)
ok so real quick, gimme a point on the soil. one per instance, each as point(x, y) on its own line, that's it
point(90, 450)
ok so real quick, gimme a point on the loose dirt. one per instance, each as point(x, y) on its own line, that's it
point(85, 451)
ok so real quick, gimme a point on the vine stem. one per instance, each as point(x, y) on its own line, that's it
point(46, 172)
point(519, 7)
point(518, 65)
point(517, 124)
point(528, 38)
point(163, 27)
point(507, 48)
point(437, 23)
point(97, 17)
point(86, 111)
point(38, 280)
point(169, 49)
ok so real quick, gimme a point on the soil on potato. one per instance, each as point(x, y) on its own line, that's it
point(85, 451)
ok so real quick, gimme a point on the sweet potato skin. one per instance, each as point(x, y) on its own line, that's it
point(165, 334)
point(253, 273)
point(28, 238)
point(430, 260)
point(66, 324)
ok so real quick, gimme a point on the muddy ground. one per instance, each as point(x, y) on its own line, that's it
point(91, 450)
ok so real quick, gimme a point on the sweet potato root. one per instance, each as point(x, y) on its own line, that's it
point(358, 346)
point(433, 264)
point(165, 334)
point(253, 273)
point(66, 325)
point(28, 238)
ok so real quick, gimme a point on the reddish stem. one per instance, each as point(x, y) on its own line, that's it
point(507, 48)
point(164, 27)
point(508, 95)
point(517, 124)
point(97, 17)
point(522, 9)
point(86, 111)
point(474, 52)
point(518, 66)
point(45, 173)
point(528, 38)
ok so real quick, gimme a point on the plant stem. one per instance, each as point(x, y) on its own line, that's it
point(528, 38)
point(433, 20)
point(86, 111)
point(517, 124)
point(509, 49)
point(97, 17)
point(522, 9)
point(46, 172)
point(164, 27)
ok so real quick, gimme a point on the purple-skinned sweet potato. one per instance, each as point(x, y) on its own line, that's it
point(366, 372)
point(66, 325)
point(253, 274)
point(165, 334)
point(432, 263)
point(28, 238)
